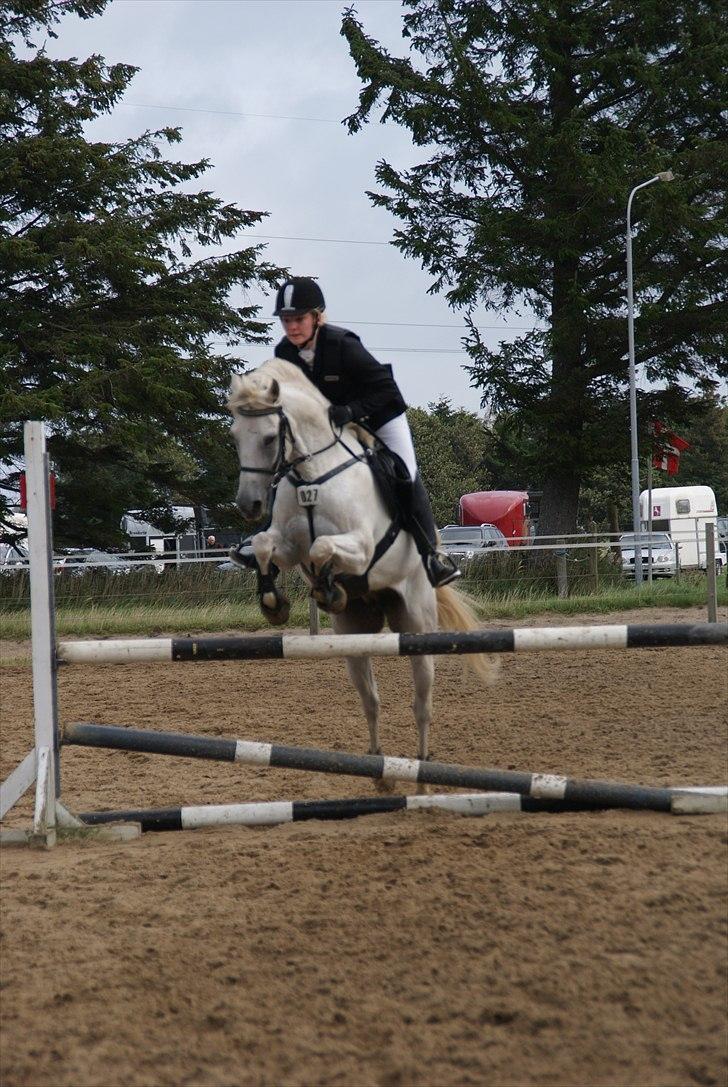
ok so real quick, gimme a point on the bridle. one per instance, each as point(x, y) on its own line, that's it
point(284, 431)
point(283, 467)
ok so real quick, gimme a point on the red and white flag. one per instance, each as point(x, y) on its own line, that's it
point(666, 448)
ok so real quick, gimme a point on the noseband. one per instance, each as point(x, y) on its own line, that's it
point(281, 466)
point(284, 429)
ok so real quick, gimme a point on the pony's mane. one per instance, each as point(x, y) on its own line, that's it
point(249, 393)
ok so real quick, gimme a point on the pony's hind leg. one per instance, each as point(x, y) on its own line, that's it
point(362, 676)
point(363, 617)
point(423, 675)
point(416, 612)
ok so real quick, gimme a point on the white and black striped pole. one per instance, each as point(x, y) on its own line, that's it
point(545, 792)
point(307, 647)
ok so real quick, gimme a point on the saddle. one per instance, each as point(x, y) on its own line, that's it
point(392, 480)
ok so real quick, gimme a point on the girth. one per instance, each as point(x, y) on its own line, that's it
point(356, 584)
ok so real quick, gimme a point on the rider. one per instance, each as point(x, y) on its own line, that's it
point(361, 390)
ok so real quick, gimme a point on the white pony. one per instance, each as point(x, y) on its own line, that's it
point(329, 518)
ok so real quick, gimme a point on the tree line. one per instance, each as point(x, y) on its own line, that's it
point(460, 452)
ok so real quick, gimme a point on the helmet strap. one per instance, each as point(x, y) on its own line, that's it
point(313, 335)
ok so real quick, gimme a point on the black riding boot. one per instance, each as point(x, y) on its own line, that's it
point(440, 568)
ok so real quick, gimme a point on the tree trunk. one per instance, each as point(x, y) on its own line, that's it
point(565, 409)
point(559, 503)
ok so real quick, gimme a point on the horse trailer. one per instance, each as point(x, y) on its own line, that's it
point(684, 512)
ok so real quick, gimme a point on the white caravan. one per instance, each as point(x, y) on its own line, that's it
point(684, 512)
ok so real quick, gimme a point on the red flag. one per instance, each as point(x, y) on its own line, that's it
point(666, 448)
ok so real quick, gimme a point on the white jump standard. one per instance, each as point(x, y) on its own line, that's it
point(536, 792)
point(306, 646)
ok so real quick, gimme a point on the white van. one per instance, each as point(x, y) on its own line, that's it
point(684, 512)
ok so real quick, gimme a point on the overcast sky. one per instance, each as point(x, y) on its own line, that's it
point(259, 87)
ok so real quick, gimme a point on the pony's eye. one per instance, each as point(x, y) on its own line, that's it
point(269, 440)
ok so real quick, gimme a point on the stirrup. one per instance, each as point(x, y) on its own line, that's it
point(441, 569)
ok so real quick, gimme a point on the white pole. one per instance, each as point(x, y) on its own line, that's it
point(649, 518)
point(710, 571)
point(43, 634)
point(666, 175)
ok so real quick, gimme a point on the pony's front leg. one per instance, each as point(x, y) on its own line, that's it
point(269, 551)
point(345, 553)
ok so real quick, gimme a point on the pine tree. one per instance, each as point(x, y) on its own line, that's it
point(114, 295)
point(536, 119)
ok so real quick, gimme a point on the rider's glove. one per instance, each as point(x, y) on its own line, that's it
point(340, 414)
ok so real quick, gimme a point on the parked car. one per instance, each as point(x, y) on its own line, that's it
point(466, 542)
point(87, 560)
point(664, 560)
point(13, 560)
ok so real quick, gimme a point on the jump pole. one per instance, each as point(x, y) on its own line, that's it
point(306, 646)
point(545, 792)
point(274, 812)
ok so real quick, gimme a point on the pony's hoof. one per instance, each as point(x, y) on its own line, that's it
point(276, 608)
point(332, 599)
point(339, 599)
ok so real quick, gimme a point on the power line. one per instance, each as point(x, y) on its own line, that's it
point(392, 350)
point(420, 324)
point(232, 113)
point(298, 238)
point(454, 328)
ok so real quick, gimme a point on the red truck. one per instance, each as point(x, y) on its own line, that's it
point(507, 510)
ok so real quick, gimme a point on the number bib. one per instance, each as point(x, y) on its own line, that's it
point(307, 496)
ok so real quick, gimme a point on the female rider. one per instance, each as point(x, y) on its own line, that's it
point(362, 390)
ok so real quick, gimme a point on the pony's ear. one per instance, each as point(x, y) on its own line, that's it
point(236, 385)
point(273, 395)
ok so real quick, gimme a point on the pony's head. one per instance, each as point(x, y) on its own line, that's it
point(258, 430)
point(268, 405)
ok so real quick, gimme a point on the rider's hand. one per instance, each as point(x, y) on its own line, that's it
point(340, 414)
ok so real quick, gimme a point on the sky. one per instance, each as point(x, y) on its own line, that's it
point(260, 87)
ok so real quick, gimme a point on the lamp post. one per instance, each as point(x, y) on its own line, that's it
point(665, 175)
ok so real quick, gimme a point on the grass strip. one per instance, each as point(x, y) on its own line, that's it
point(217, 616)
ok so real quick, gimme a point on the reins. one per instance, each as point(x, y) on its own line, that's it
point(287, 468)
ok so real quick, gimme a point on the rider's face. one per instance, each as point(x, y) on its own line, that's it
point(299, 329)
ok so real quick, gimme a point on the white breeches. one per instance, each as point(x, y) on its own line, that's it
point(396, 434)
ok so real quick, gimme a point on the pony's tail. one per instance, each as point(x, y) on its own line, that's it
point(456, 611)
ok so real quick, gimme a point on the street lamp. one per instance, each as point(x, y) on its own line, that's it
point(665, 175)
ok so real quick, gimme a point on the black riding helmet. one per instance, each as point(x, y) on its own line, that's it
point(298, 295)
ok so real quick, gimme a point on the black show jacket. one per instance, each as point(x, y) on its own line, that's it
point(345, 372)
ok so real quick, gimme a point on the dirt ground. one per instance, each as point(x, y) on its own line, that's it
point(395, 950)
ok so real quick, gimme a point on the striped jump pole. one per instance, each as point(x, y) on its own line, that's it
point(306, 646)
point(271, 813)
point(551, 792)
